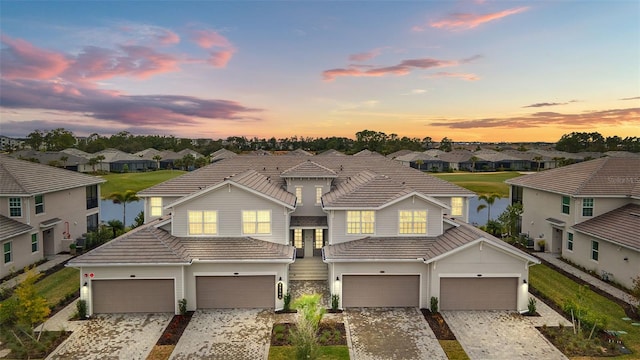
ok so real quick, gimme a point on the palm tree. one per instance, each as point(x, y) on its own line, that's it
point(157, 158)
point(124, 198)
point(473, 160)
point(64, 160)
point(489, 199)
point(538, 159)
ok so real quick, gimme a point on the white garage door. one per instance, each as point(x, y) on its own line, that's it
point(478, 293)
point(380, 290)
point(224, 292)
point(129, 296)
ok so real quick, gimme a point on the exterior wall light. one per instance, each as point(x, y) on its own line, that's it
point(524, 281)
point(337, 278)
point(85, 284)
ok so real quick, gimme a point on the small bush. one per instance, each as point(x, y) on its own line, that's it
point(81, 306)
point(287, 302)
point(335, 302)
point(434, 305)
point(532, 306)
point(182, 306)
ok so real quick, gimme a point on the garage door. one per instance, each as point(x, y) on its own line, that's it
point(223, 292)
point(128, 296)
point(478, 293)
point(380, 290)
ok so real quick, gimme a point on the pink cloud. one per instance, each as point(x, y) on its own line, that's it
point(405, 67)
point(220, 58)
point(465, 21)
point(20, 59)
point(209, 38)
point(168, 37)
point(364, 56)
point(463, 76)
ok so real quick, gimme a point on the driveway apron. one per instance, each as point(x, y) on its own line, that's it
point(230, 334)
point(391, 333)
point(114, 336)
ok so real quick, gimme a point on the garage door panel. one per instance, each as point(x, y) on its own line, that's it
point(380, 290)
point(478, 293)
point(132, 296)
point(225, 292)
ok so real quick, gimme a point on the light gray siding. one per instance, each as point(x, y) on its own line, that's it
point(166, 200)
point(308, 206)
point(465, 207)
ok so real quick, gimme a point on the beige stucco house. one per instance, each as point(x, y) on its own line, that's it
point(228, 235)
point(588, 212)
point(43, 210)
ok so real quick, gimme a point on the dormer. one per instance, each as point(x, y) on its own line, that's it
point(308, 181)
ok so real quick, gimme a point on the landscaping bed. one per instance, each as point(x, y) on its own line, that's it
point(174, 330)
point(329, 333)
point(438, 325)
point(572, 345)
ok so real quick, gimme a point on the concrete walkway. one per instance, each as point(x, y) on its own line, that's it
point(52, 261)
point(592, 280)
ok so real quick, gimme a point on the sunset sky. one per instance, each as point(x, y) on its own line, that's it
point(468, 70)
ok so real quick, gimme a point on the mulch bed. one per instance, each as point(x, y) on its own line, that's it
point(602, 345)
point(174, 330)
point(329, 333)
point(438, 325)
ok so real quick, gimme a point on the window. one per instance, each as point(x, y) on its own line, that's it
point(92, 196)
point(516, 194)
point(15, 207)
point(299, 194)
point(413, 222)
point(203, 222)
point(34, 243)
point(256, 222)
point(587, 207)
point(570, 241)
point(594, 250)
point(456, 206)
point(319, 238)
point(92, 222)
point(6, 250)
point(297, 238)
point(318, 195)
point(39, 204)
point(566, 204)
point(360, 222)
point(155, 206)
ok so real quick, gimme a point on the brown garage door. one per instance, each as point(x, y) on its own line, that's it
point(478, 293)
point(224, 292)
point(380, 290)
point(128, 296)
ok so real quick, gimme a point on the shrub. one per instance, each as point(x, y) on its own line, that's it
point(335, 302)
point(287, 302)
point(81, 306)
point(182, 306)
point(532, 306)
point(434, 304)
point(305, 336)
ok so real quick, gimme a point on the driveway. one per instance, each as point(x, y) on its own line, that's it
point(226, 334)
point(391, 333)
point(115, 336)
point(504, 335)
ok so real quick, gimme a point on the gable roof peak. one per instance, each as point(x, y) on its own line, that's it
point(309, 169)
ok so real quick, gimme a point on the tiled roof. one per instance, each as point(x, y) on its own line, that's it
point(10, 228)
point(299, 152)
point(365, 190)
point(150, 245)
point(331, 152)
point(346, 167)
point(308, 222)
point(600, 177)
point(264, 185)
point(19, 177)
point(414, 156)
point(113, 155)
point(148, 154)
point(456, 156)
point(412, 248)
point(47, 157)
point(620, 226)
point(309, 169)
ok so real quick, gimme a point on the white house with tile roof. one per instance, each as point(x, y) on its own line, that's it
point(588, 212)
point(43, 210)
point(229, 235)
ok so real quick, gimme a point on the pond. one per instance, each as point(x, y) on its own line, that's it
point(480, 218)
point(110, 211)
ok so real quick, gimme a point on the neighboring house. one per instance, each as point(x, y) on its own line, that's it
point(422, 161)
point(43, 210)
point(588, 212)
point(232, 233)
point(120, 161)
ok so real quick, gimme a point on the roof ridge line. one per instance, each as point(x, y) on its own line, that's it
point(9, 173)
point(592, 174)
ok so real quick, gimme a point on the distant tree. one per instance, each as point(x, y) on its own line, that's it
point(538, 160)
point(419, 163)
point(473, 160)
point(139, 220)
point(489, 200)
point(157, 159)
point(124, 198)
point(116, 226)
point(510, 219)
point(32, 309)
point(92, 162)
point(35, 139)
point(188, 161)
point(64, 160)
point(446, 144)
point(59, 139)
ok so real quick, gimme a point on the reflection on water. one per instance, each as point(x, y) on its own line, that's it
point(480, 218)
point(111, 211)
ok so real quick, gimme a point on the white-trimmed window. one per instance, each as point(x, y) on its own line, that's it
point(361, 222)
point(412, 222)
point(155, 206)
point(318, 195)
point(34, 243)
point(587, 207)
point(297, 238)
point(570, 241)
point(456, 206)
point(299, 194)
point(203, 222)
point(566, 205)
point(15, 207)
point(595, 248)
point(6, 251)
point(39, 201)
point(256, 222)
point(319, 238)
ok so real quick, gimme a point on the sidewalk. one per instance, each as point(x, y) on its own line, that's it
point(614, 291)
point(52, 261)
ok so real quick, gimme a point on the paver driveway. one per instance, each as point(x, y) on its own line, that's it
point(114, 336)
point(391, 333)
point(230, 334)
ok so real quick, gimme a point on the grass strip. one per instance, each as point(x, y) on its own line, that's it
point(335, 352)
point(481, 183)
point(453, 350)
point(135, 181)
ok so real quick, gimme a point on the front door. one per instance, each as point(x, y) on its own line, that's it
point(556, 240)
point(308, 243)
point(48, 242)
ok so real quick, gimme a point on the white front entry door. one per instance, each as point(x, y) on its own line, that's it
point(308, 243)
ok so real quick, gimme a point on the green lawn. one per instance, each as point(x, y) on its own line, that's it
point(481, 183)
point(559, 288)
point(135, 181)
point(453, 350)
point(338, 352)
point(59, 285)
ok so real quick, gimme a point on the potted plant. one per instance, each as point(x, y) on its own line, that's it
point(541, 244)
point(72, 248)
